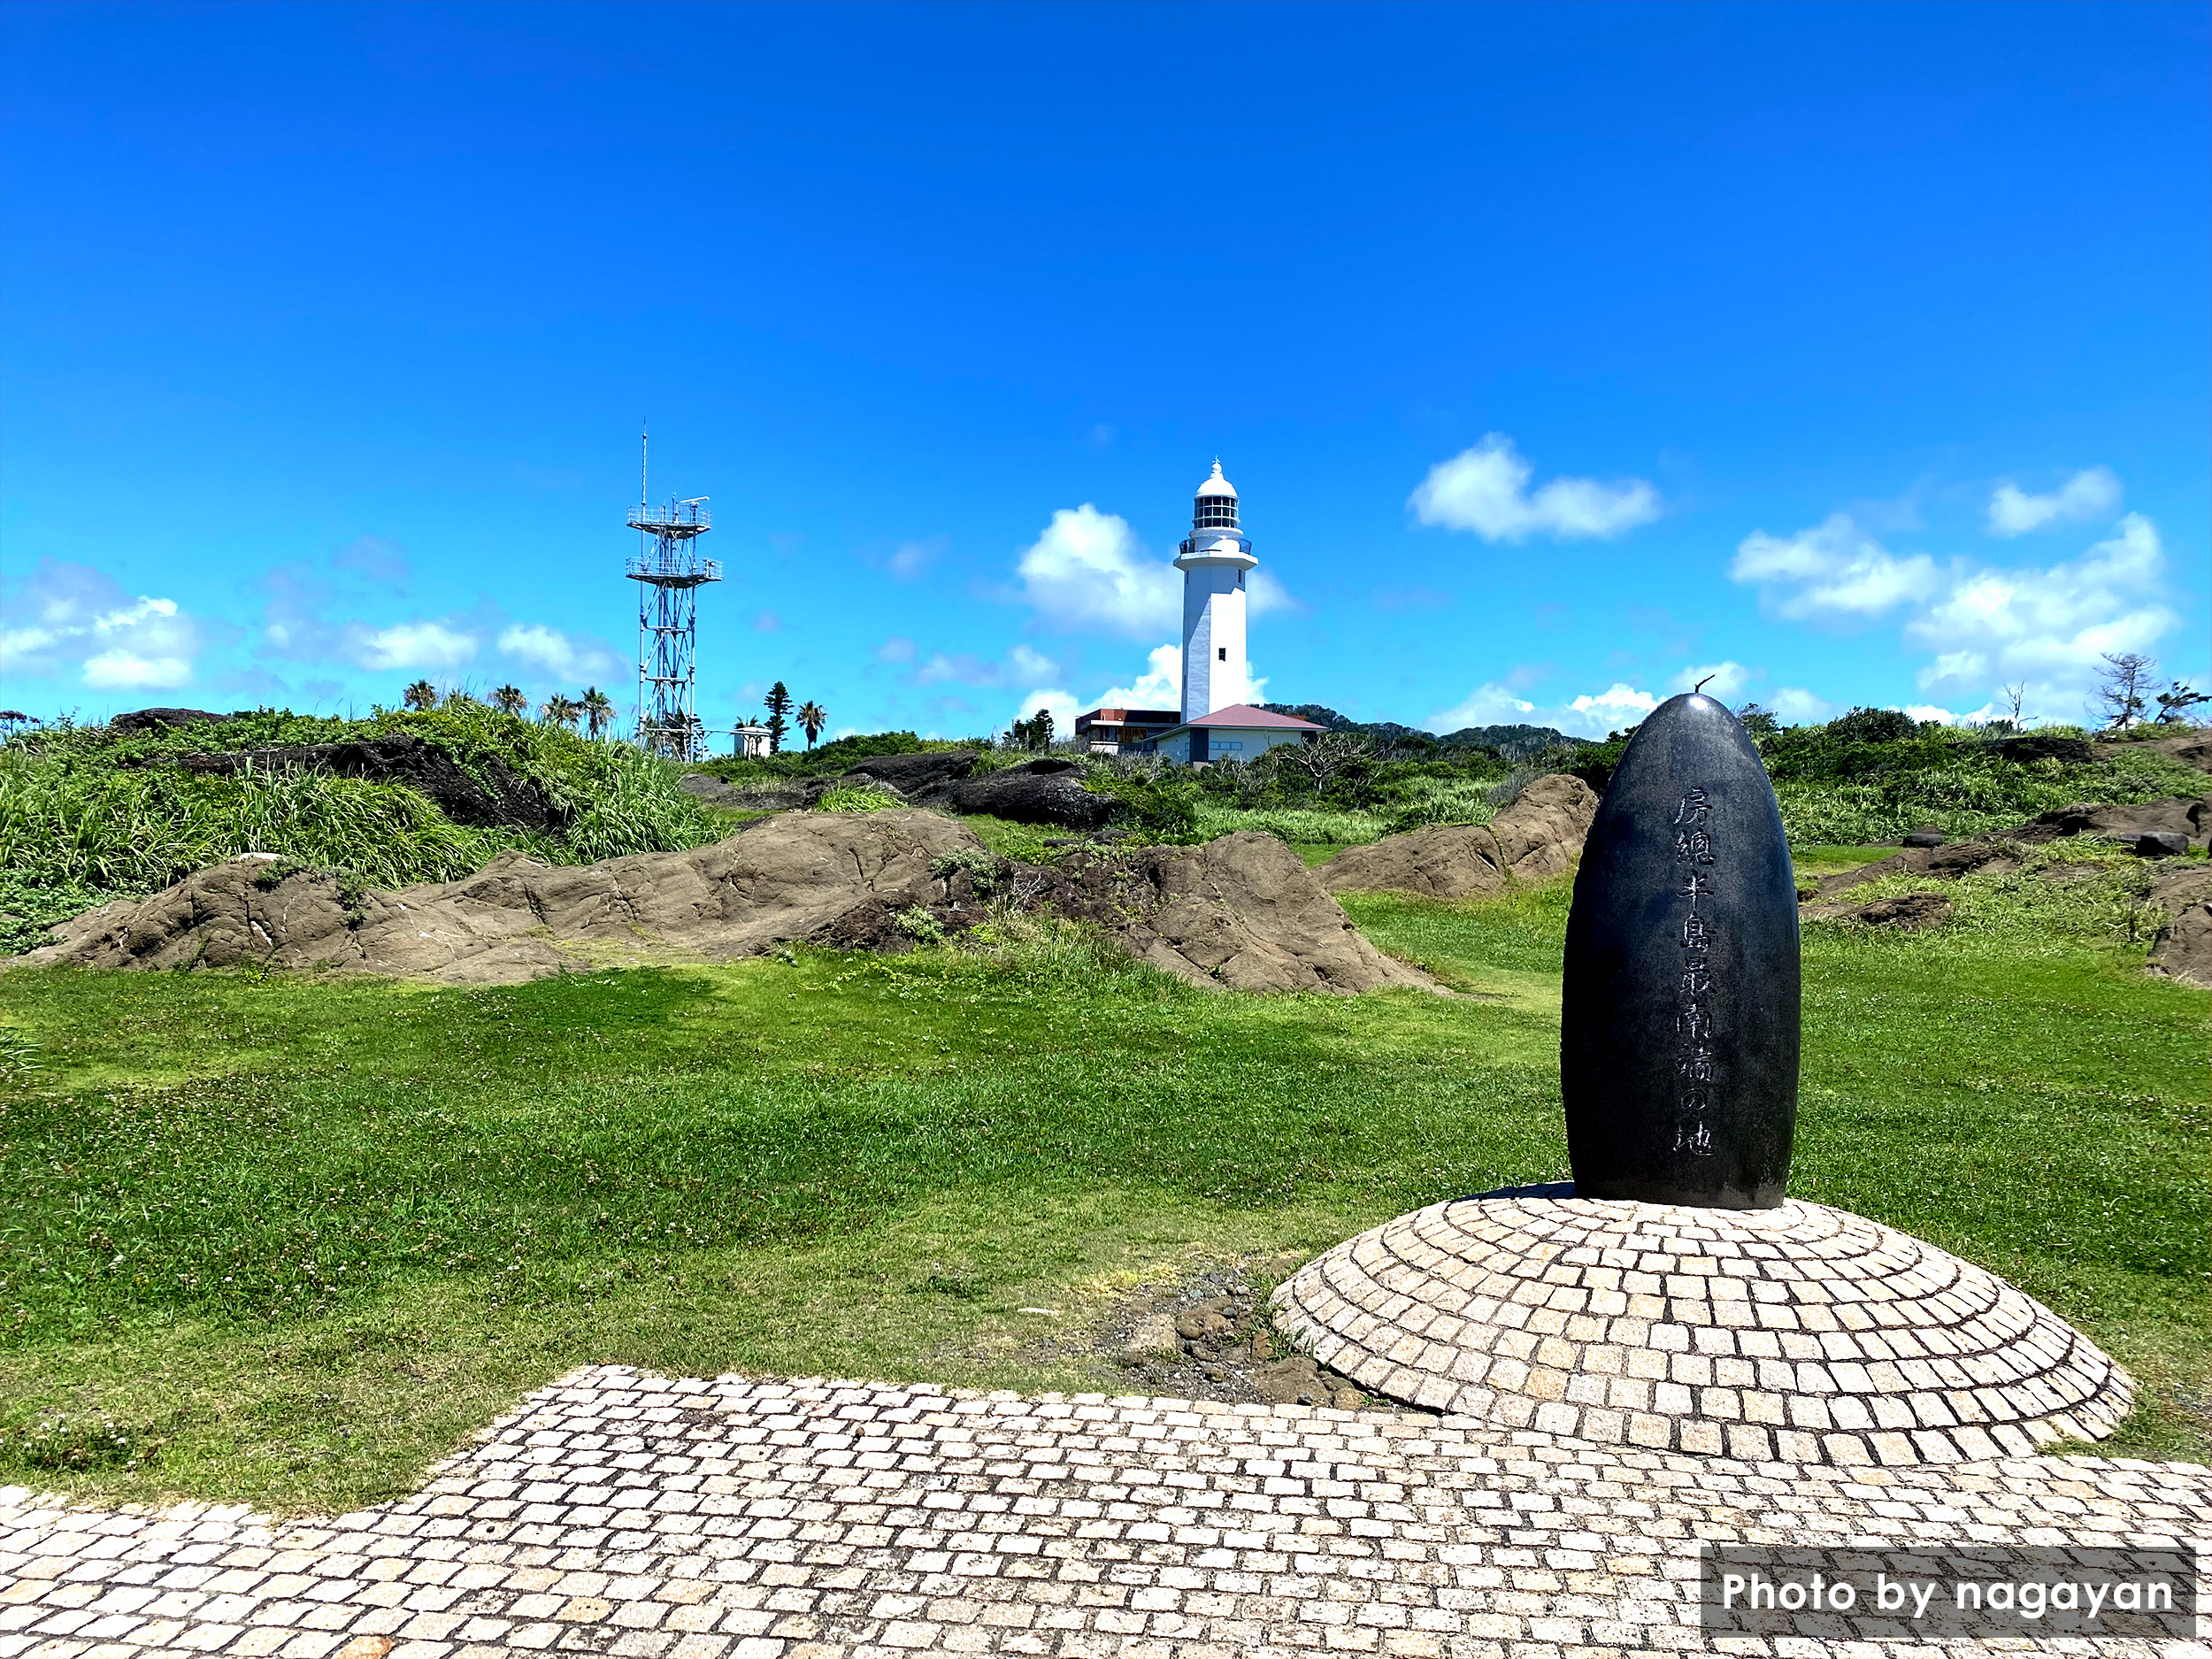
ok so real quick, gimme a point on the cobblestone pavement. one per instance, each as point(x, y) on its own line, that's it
point(1802, 1332)
point(623, 1513)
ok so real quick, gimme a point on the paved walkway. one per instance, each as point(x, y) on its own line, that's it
point(623, 1513)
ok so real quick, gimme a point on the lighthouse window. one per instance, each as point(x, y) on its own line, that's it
point(1222, 652)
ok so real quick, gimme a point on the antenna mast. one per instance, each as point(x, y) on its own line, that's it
point(669, 573)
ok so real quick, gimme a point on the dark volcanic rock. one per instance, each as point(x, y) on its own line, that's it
point(161, 719)
point(501, 798)
point(2180, 814)
point(1908, 912)
point(1679, 1040)
point(1048, 791)
point(1924, 838)
point(2043, 746)
point(1992, 855)
point(913, 774)
point(2161, 844)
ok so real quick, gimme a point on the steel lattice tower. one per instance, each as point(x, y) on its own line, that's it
point(668, 571)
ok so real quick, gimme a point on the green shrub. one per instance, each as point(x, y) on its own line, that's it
point(831, 757)
point(981, 866)
point(1425, 801)
point(918, 923)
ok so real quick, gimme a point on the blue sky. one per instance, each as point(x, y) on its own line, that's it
point(1561, 354)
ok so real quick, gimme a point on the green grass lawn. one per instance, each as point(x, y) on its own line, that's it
point(293, 1237)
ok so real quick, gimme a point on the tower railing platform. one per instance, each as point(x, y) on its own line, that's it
point(674, 519)
point(676, 569)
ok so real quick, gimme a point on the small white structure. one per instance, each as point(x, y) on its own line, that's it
point(1239, 732)
point(1214, 558)
point(750, 741)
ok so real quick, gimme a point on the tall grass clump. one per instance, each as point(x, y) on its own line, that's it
point(1963, 789)
point(88, 814)
point(1309, 825)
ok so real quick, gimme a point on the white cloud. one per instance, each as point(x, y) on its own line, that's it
point(2013, 512)
point(1486, 489)
point(897, 648)
point(1618, 704)
point(410, 645)
point(1032, 664)
point(1262, 593)
point(1024, 663)
point(910, 559)
point(1590, 715)
point(1835, 574)
point(1979, 624)
point(80, 618)
point(563, 656)
point(121, 670)
point(2049, 626)
point(1794, 705)
point(1159, 687)
point(1089, 571)
point(1930, 711)
point(1723, 680)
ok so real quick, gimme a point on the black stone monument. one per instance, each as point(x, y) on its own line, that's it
point(1678, 1036)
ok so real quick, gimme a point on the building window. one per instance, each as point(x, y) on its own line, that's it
point(1228, 745)
point(1222, 652)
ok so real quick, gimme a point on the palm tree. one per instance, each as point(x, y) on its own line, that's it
point(421, 695)
point(509, 700)
point(812, 720)
point(598, 710)
point(560, 709)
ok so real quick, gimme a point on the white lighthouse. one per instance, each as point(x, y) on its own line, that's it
point(1214, 558)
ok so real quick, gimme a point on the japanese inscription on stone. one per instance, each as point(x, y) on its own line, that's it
point(1693, 1022)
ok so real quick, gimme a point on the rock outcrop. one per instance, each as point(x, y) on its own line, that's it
point(1907, 912)
point(912, 775)
point(788, 878)
point(161, 719)
point(2034, 746)
point(2192, 746)
point(2182, 814)
point(1048, 791)
point(2182, 950)
point(1539, 835)
point(1991, 855)
point(1242, 913)
point(492, 795)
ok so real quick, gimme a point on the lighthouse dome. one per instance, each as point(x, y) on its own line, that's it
point(1216, 508)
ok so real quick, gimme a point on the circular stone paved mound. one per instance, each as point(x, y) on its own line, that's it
point(1802, 1333)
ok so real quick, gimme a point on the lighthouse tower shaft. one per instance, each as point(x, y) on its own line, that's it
point(1214, 558)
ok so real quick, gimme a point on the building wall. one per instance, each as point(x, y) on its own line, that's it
point(1214, 672)
point(1227, 742)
